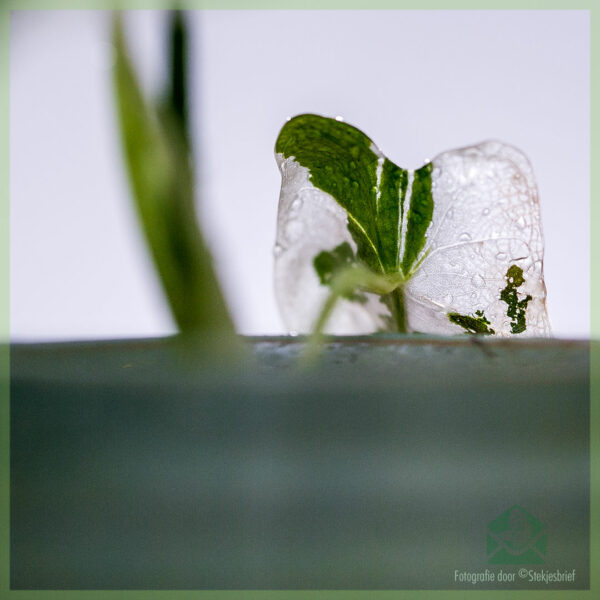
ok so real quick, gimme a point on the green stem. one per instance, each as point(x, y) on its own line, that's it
point(395, 302)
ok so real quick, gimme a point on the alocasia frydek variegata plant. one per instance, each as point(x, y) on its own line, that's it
point(364, 245)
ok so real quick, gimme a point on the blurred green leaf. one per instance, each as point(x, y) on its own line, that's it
point(177, 91)
point(157, 151)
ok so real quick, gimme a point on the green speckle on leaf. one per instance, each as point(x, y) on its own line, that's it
point(328, 263)
point(517, 309)
point(472, 324)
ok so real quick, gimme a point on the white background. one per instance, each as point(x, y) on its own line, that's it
point(416, 82)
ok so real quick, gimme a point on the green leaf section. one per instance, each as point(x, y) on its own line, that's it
point(517, 309)
point(390, 211)
point(342, 162)
point(419, 217)
point(472, 324)
point(158, 156)
point(328, 263)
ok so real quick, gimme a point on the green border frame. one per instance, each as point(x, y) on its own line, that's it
point(5, 591)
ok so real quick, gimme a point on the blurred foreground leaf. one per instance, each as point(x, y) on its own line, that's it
point(158, 155)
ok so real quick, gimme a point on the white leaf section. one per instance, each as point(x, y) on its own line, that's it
point(486, 217)
point(309, 221)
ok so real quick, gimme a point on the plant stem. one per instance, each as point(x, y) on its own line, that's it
point(395, 302)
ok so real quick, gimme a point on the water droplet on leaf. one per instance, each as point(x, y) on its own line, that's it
point(478, 281)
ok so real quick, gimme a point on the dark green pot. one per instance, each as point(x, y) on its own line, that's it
point(136, 464)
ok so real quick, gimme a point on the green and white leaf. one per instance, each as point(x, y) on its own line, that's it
point(445, 236)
